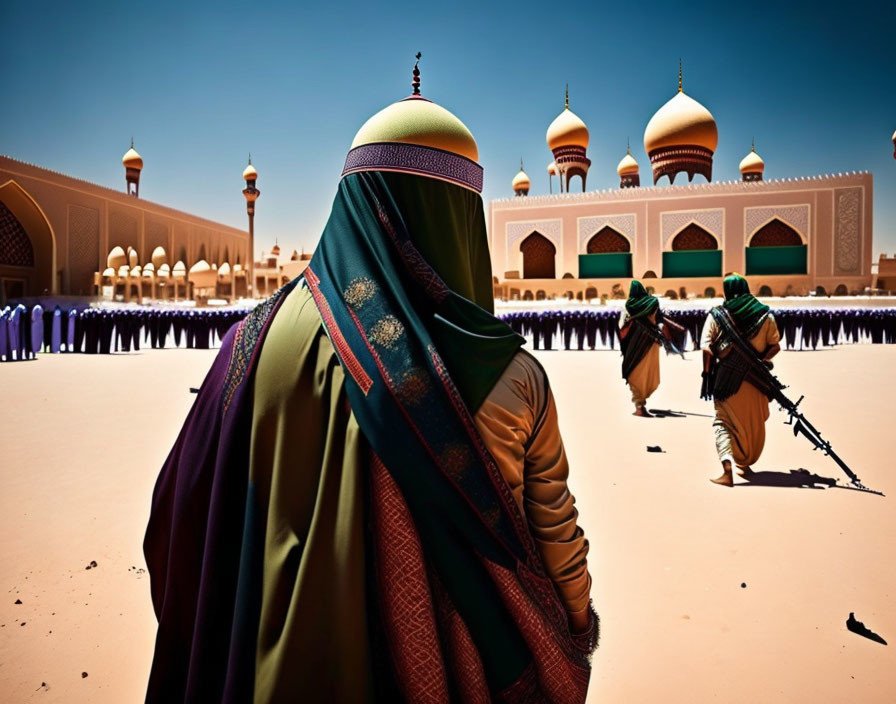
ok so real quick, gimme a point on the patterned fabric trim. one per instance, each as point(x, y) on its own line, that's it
point(245, 340)
point(415, 159)
point(349, 360)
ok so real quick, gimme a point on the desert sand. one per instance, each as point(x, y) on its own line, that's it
point(706, 594)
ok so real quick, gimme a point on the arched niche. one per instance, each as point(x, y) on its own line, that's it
point(539, 255)
point(776, 233)
point(22, 215)
point(693, 237)
point(608, 241)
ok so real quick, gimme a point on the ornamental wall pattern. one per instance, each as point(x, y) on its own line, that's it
point(713, 221)
point(797, 216)
point(624, 224)
point(84, 257)
point(848, 234)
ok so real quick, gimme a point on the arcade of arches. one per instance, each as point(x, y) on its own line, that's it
point(608, 241)
point(539, 254)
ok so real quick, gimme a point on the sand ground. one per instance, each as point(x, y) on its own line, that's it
point(84, 436)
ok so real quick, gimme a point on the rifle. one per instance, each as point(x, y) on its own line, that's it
point(761, 377)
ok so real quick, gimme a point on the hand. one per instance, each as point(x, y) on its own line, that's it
point(706, 387)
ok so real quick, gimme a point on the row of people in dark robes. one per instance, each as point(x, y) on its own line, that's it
point(24, 332)
point(801, 329)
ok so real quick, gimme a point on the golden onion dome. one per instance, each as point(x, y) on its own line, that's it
point(567, 130)
point(159, 257)
point(521, 181)
point(552, 168)
point(249, 173)
point(752, 163)
point(627, 166)
point(416, 120)
point(275, 250)
point(116, 258)
point(682, 121)
point(132, 159)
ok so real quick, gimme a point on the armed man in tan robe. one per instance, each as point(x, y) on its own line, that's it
point(741, 408)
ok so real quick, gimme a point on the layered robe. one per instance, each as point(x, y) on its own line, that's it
point(333, 523)
point(739, 425)
point(644, 377)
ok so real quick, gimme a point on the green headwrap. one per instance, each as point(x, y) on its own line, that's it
point(640, 303)
point(744, 307)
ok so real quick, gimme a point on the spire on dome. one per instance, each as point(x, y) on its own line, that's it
point(567, 97)
point(680, 88)
point(415, 84)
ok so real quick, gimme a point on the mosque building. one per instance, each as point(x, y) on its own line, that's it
point(788, 236)
point(60, 235)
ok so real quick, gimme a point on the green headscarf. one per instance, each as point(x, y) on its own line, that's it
point(640, 303)
point(744, 307)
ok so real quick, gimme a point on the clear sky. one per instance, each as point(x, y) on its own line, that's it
point(201, 85)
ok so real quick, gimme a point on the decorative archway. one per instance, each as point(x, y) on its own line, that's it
point(27, 243)
point(693, 237)
point(539, 254)
point(607, 241)
point(776, 233)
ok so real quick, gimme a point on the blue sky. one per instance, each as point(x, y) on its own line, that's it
point(201, 85)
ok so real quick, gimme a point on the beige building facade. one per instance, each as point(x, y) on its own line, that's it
point(57, 231)
point(790, 236)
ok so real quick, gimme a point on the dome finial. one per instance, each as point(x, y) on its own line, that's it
point(567, 96)
point(521, 163)
point(415, 84)
point(628, 146)
point(250, 157)
point(679, 75)
point(132, 142)
point(753, 144)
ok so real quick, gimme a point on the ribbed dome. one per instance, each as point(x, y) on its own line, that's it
point(132, 159)
point(752, 163)
point(520, 181)
point(567, 130)
point(416, 120)
point(627, 166)
point(681, 121)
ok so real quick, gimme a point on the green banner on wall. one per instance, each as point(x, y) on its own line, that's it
point(692, 262)
point(605, 266)
point(777, 260)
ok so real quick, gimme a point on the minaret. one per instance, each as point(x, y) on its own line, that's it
point(133, 165)
point(251, 193)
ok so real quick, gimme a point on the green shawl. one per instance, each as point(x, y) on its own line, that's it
point(746, 310)
point(640, 303)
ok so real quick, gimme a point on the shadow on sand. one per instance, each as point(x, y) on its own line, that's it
point(795, 479)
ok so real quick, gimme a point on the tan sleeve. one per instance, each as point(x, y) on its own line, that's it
point(550, 508)
point(710, 328)
point(772, 334)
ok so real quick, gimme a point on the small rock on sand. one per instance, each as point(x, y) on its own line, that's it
point(83, 675)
